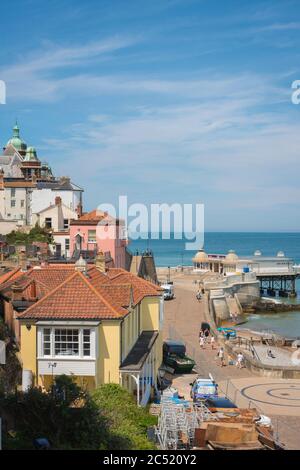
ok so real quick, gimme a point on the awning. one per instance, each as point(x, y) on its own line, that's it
point(136, 358)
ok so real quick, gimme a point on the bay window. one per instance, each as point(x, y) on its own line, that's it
point(66, 342)
point(70, 342)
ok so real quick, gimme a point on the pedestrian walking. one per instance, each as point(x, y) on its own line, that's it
point(212, 342)
point(221, 357)
point(240, 360)
point(202, 342)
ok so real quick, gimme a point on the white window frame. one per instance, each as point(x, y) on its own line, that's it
point(60, 342)
point(93, 343)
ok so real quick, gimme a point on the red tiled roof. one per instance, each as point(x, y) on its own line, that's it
point(75, 298)
point(46, 278)
point(117, 294)
point(10, 275)
point(93, 215)
point(65, 293)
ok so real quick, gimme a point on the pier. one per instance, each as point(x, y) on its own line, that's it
point(283, 284)
point(276, 274)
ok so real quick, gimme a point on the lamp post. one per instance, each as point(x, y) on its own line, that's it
point(52, 365)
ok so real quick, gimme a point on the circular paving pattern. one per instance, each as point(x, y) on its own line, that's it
point(276, 394)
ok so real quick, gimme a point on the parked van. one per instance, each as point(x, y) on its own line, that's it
point(168, 291)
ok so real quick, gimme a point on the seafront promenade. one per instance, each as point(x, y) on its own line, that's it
point(277, 398)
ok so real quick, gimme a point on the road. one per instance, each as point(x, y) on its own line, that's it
point(279, 399)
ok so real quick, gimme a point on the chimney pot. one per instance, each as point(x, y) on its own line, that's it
point(100, 262)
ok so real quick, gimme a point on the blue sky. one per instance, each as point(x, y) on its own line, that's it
point(164, 101)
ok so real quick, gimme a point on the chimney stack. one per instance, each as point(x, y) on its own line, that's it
point(1, 178)
point(100, 262)
point(33, 293)
point(23, 261)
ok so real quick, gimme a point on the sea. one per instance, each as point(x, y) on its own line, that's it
point(172, 252)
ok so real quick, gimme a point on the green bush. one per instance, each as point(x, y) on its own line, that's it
point(36, 234)
point(66, 416)
point(70, 418)
point(11, 371)
point(128, 423)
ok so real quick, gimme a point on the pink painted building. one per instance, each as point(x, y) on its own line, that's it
point(95, 231)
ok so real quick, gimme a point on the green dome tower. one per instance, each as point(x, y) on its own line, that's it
point(16, 141)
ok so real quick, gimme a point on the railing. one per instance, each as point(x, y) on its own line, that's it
point(248, 346)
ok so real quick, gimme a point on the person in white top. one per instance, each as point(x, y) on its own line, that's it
point(221, 357)
point(212, 342)
point(240, 360)
point(201, 341)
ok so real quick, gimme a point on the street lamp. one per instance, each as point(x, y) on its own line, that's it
point(52, 365)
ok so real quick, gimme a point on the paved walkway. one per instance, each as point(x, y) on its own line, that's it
point(279, 399)
point(280, 357)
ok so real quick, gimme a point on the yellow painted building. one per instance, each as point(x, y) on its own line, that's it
point(98, 327)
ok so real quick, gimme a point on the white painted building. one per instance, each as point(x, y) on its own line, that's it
point(56, 217)
point(27, 186)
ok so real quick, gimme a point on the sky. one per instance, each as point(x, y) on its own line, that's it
point(168, 101)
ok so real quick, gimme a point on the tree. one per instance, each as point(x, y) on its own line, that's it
point(10, 372)
point(70, 418)
point(66, 416)
point(128, 423)
point(36, 234)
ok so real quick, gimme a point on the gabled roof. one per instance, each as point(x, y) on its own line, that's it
point(93, 215)
point(10, 275)
point(53, 205)
point(75, 298)
point(46, 278)
point(94, 218)
point(65, 293)
point(141, 288)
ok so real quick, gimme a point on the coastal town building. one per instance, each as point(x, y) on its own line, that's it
point(28, 186)
point(99, 325)
point(56, 218)
point(96, 231)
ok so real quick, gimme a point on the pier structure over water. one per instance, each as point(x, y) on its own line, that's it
point(282, 283)
point(276, 274)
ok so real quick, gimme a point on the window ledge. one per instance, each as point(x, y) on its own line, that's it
point(65, 358)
